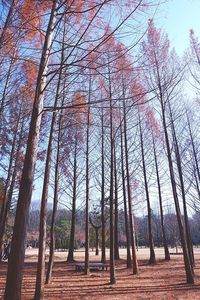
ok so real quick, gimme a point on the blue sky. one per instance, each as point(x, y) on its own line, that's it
point(177, 17)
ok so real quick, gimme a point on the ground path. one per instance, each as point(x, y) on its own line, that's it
point(163, 281)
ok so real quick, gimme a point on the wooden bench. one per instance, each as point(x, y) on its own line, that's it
point(92, 265)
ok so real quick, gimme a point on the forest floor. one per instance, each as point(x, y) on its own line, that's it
point(164, 280)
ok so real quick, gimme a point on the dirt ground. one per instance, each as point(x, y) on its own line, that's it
point(164, 280)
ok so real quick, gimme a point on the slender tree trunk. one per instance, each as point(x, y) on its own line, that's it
point(7, 22)
point(40, 280)
point(131, 221)
point(194, 150)
point(103, 233)
point(97, 241)
point(16, 262)
point(152, 259)
point(5, 206)
point(116, 229)
point(128, 261)
point(87, 269)
point(179, 165)
point(188, 267)
point(70, 257)
point(166, 249)
point(112, 242)
point(3, 98)
point(55, 205)
point(197, 183)
point(96, 228)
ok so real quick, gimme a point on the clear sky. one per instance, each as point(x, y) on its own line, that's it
point(177, 17)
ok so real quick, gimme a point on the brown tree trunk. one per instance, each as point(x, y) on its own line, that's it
point(188, 267)
point(103, 234)
point(152, 259)
point(7, 22)
point(87, 269)
point(5, 201)
point(3, 98)
point(97, 241)
point(131, 221)
point(128, 261)
point(16, 262)
point(116, 230)
point(112, 242)
point(70, 257)
point(166, 249)
point(55, 205)
point(40, 280)
point(179, 165)
point(96, 228)
point(194, 150)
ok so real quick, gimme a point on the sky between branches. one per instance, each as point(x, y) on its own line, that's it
point(176, 18)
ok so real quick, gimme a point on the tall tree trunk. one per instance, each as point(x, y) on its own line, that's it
point(70, 257)
point(103, 233)
point(97, 241)
point(188, 267)
point(194, 150)
point(40, 280)
point(55, 205)
point(16, 262)
point(116, 229)
point(112, 242)
point(131, 221)
point(166, 249)
point(152, 259)
point(96, 228)
point(87, 269)
point(179, 165)
point(128, 261)
point(3, 98)
point(5, 204)
point(7, 22)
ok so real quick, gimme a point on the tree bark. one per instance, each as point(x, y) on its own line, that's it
point(112, 242)
point(40, 280)
point(55, 205)
point(70, 257)
point(7, 22)
point(103, 233)
point(152, 259)
point(3, 98)
point(128, 261)
point(179, 165)
point(87, 270)
point(131, 221)
point(116, 230)
point(166, 249)
point(16, 262)
point(10, 181)
point(188, 267)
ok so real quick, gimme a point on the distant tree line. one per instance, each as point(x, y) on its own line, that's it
point(63, 225)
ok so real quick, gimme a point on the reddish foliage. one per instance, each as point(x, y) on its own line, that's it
point(30, 72)
point(157, 45)
point(32, 16)
point(152, 120)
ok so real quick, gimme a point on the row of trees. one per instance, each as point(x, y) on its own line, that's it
point(84, 114)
